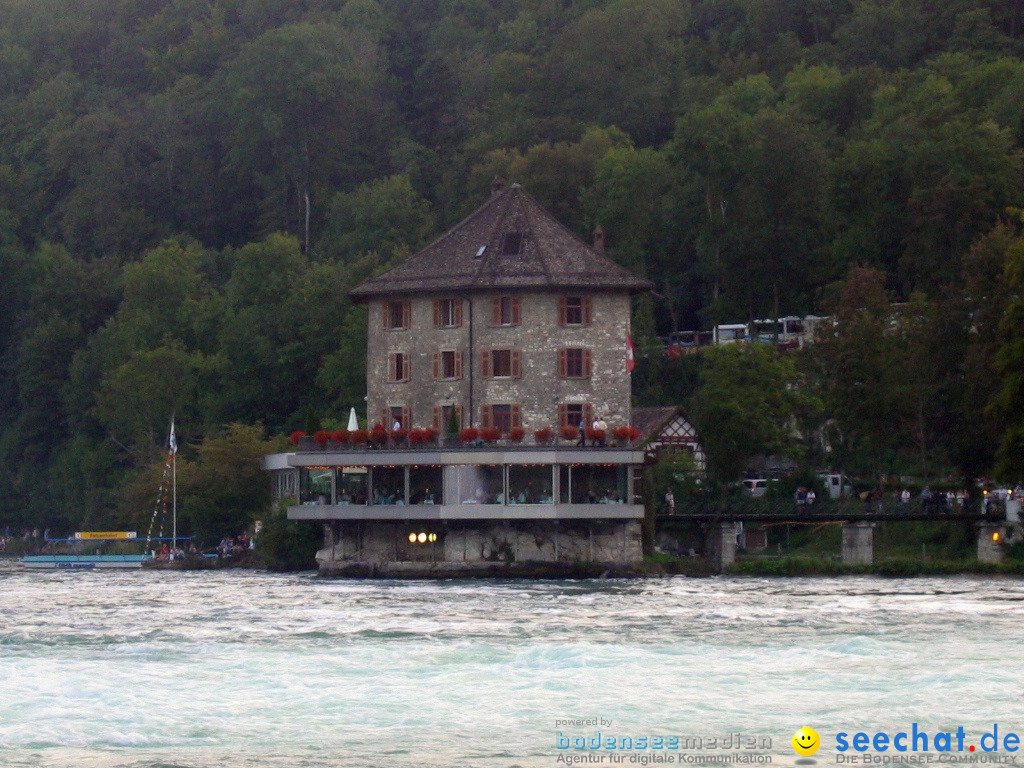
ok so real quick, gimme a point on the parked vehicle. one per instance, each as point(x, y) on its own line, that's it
point(756, 486)
point(837, 486)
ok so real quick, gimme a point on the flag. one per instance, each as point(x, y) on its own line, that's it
point(630, 362)
point(172, 443)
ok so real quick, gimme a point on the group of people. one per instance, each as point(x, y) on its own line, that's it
point(805, 498)
point(238, 545)
point(599, 430)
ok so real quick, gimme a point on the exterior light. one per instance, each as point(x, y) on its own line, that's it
point(432, 537)
point(996, 535)
point(412, 538)
point(422, 538)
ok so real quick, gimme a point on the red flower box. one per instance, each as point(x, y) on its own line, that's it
point(359, 436)
point(469, 434)
point(378, 435)
point(417, 436)
point(430, 434)
point(516, 434)
point(398, 435)
point(544, 435)
point(321, 436)
point(570, 433)
point(340, 435)
point(595, 434)
point(626, 434)
point(296, 436)
point(490, 434)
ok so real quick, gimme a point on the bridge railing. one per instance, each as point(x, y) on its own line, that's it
point(745, 505)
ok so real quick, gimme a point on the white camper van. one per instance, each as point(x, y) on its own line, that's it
point(837, 486)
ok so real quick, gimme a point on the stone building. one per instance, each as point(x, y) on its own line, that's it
point(509, 319)
point(509, 322)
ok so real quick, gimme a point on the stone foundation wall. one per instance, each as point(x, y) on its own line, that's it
point(481, 543)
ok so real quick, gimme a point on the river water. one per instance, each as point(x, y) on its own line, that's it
point(240, 669)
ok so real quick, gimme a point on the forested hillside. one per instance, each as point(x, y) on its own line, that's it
point(188, 189)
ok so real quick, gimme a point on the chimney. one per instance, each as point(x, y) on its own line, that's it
point(598, 239)
point(497, 184)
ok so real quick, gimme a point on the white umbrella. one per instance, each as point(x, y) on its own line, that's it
point(353, 422)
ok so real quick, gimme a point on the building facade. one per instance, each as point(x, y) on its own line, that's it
point(510, 323)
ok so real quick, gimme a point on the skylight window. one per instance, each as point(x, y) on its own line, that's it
point(480, 251)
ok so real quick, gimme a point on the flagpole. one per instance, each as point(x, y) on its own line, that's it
point(174, 491)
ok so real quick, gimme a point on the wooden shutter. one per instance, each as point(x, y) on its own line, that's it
point(588, 415)
point(458, 365)
point(406, 417)
point(458, 415)
point(496, 310)
point(586, 310)
point(437, 418)
point(588, 362)
point(458, 312)
point(563, 415)
point(563, 363)
point(384, 313)
point(517, 363)
point(562, 319)
point(393, 367)
point(517, 415)
point(437, 314)
point(437, 366)
point(517, 310)
point(485, 363)
point(406, 314)
point(486, 416)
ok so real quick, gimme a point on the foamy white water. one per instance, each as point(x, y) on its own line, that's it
point(240, 669)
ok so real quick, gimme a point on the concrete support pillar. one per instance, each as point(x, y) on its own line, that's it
point(721, 544)
point(990, 542)
point(858, 543)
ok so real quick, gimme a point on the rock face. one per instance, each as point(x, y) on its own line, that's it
point(386, 546)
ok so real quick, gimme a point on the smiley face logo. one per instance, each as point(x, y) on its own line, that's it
point(806, 741)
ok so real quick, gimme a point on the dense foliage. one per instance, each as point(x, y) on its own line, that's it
point(188, 189)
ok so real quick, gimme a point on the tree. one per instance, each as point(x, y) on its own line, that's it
point(744, 406)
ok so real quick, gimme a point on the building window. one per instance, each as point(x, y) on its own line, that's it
point(575, 415)
point(397, 315)
point(447, 313)
point(574, 310)
point(444, 421)
point(529, 484)
point(448, 365)
point(504, 418)
point(575, 363)
point(512, 244)
point(506, 310)
point(396, 417)
point(501, 363)
point(398, 366)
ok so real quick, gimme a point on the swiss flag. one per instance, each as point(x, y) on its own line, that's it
point(630, 362)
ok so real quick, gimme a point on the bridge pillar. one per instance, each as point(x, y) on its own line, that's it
point(858, 543)
point(720, 544)
point(990, 542)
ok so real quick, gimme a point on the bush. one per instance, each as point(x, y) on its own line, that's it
point(295, 436)
point(288, 545)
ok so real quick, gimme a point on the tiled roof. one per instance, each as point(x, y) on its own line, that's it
point(479, 254)
point(650, 420)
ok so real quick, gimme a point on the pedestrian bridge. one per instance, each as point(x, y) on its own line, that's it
point(721, 521)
